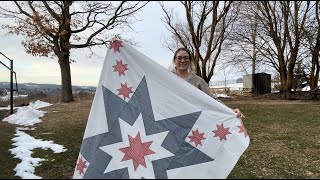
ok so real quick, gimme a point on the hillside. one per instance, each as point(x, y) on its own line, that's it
point(45, 87)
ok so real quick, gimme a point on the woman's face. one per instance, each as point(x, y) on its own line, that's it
point(182, 61)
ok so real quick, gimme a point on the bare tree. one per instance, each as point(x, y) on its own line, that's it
point(206, 25)
point(56, 27)
point(312, 44)
point(283, 23)
point(243, 39)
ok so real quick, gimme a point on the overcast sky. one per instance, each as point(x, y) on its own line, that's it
point(86, 70)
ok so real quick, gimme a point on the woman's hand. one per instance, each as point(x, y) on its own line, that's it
point(239, 114)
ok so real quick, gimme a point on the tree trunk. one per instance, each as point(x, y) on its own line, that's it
point(314, 77)
point(204, 74)
point(317, 74)
point(283, 80)
point(289, 77)
point(289, 93)
point(64, 61)
point(254, 59)
point(254, 43)
point(66, 89)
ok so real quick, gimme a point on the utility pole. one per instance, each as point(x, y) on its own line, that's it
point(11, 86)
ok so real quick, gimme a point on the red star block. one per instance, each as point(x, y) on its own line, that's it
point(242, 129)
point(116, 44)
point(121, 68)
point(125, 91)
point(196, 137)
point(221, 132)
point(137, 151)
point(81, 166)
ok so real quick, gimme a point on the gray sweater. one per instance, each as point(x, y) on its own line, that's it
point(198, 82)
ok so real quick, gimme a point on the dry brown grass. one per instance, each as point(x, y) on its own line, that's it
point(284, 139)
point(65, 124)
point(6, 160)
point(66, 114)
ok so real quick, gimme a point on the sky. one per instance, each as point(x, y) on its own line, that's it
point(149, 33)
point(86, 70)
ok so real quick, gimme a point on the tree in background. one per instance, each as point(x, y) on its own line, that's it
point(282, 35)
point(299, 77)
point(243, 39)
point(283, 25)
point(312, 44)
point(56, 27)
point(203, 30)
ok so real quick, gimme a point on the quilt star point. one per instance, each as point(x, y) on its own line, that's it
point(137, 151)
point(116, 44)
point(221, 132)
point(125, 91)
point(120, 67)
point(243, 130)
point(196, 137)
point(81, 165)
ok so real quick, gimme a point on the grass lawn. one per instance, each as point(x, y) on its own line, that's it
point(285, 140)
point(6, 159)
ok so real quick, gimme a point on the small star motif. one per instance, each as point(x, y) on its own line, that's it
point(137, 151)
point(121, 68)
point(222, 132)
point(242, 129)
point(125, 91)
point(81, 166)
point(196, 137)
point(116, 44)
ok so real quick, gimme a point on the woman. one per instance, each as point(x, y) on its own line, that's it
point(184, 69)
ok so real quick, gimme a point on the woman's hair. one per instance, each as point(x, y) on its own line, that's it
point(172, 66)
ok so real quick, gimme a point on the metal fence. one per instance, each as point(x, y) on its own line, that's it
point(220, 83)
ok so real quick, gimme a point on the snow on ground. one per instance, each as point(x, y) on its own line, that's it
point(7, 97)
point(39, 104)
point(28, 116)
point(222, 96)
point(8, 108)
point(237, 86)
point(24, 145)
point(231, 87)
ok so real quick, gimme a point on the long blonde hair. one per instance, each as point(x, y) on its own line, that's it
point(172, 66)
